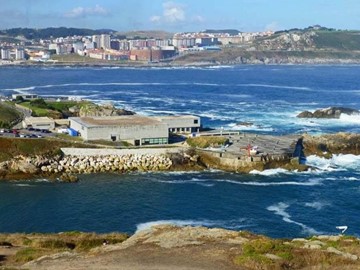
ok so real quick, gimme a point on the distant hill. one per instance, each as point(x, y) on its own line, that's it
point(146, 34)
point(311, 38)
point(233, 32)
point(55, 32)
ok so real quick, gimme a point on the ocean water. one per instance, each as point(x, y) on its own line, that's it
point(275, 202)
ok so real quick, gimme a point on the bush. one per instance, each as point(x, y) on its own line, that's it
point(206, 141)
point(27, 255)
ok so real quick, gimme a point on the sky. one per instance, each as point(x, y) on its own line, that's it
point(181, 15)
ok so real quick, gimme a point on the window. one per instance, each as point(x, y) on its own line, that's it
point(154, 141)
point(196, 121)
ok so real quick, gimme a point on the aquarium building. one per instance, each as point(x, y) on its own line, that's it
point(135, 129)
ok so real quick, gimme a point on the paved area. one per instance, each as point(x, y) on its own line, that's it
point(117, 152)
point(266, 144)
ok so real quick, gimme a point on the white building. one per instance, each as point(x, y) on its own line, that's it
point(135, 129)
point(39, 122)
point(96, 40)
point(105, 42)
point(5, 54)
point(19, 54)
point(181, 124)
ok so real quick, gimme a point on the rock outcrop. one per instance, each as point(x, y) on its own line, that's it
point(328, 144)
point(331, 112)
point(105, 110)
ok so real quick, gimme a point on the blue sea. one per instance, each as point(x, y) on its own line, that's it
point(276, 203)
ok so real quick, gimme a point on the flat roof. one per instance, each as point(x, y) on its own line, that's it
point(122, 120)
point(32, 119)
point(170, 117)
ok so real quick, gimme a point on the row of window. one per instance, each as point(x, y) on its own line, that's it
point(180, 129)
point(154, 141)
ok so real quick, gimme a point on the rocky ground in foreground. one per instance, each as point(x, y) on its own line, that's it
point(171, 247)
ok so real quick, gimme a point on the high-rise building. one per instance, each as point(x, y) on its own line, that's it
point(19, 54)
point(105, 42)
point(96, 39)
point(5, 54)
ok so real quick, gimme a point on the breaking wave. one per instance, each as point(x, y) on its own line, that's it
point(280, 210)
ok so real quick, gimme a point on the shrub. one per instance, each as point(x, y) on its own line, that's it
point(206, 141)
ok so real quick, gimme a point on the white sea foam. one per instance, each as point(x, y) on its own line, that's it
point(201, 182)
point(228, 224)
point(270, 172)
point(275, 86)
point(352, 119)
point(336, 163)
point(23, 185)
point(280, 210)
point(317, 205)
point(310, 182)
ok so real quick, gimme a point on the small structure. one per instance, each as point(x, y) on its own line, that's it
point(24, 96)
point(181, 124)
point(39, 122)
point(135, 129)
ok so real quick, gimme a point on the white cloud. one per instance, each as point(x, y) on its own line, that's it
point(155, 19)
point(82, 12)
point(173, 12)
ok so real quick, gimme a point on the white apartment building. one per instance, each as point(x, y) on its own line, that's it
point(5, 54)
point(105, 42)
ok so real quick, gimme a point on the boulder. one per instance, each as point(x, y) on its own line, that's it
point(331, 112)
point(245, 124)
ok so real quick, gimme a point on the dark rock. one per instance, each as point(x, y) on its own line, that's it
point(69, 178)
point(332, 112)
point(246, 124)
point(305, 114)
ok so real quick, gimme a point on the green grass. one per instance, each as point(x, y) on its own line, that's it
point(339, 40)
point(41, 112)
point(54, 109)
point(65, 105)
point(27, 255)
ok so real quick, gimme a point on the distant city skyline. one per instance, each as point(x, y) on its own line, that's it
point(181, 15)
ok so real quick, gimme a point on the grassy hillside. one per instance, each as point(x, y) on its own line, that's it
point(237, 55)
point(339, 40)
point(11, 147)
point(8, 115)
point(53, 109)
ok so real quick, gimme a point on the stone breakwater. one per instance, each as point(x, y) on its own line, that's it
point(99, 164)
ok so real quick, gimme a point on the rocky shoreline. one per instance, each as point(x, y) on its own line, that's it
point(67, 167)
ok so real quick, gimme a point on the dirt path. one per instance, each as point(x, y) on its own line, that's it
point(145, 257)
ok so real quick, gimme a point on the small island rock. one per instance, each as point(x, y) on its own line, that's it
point(331, 112)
